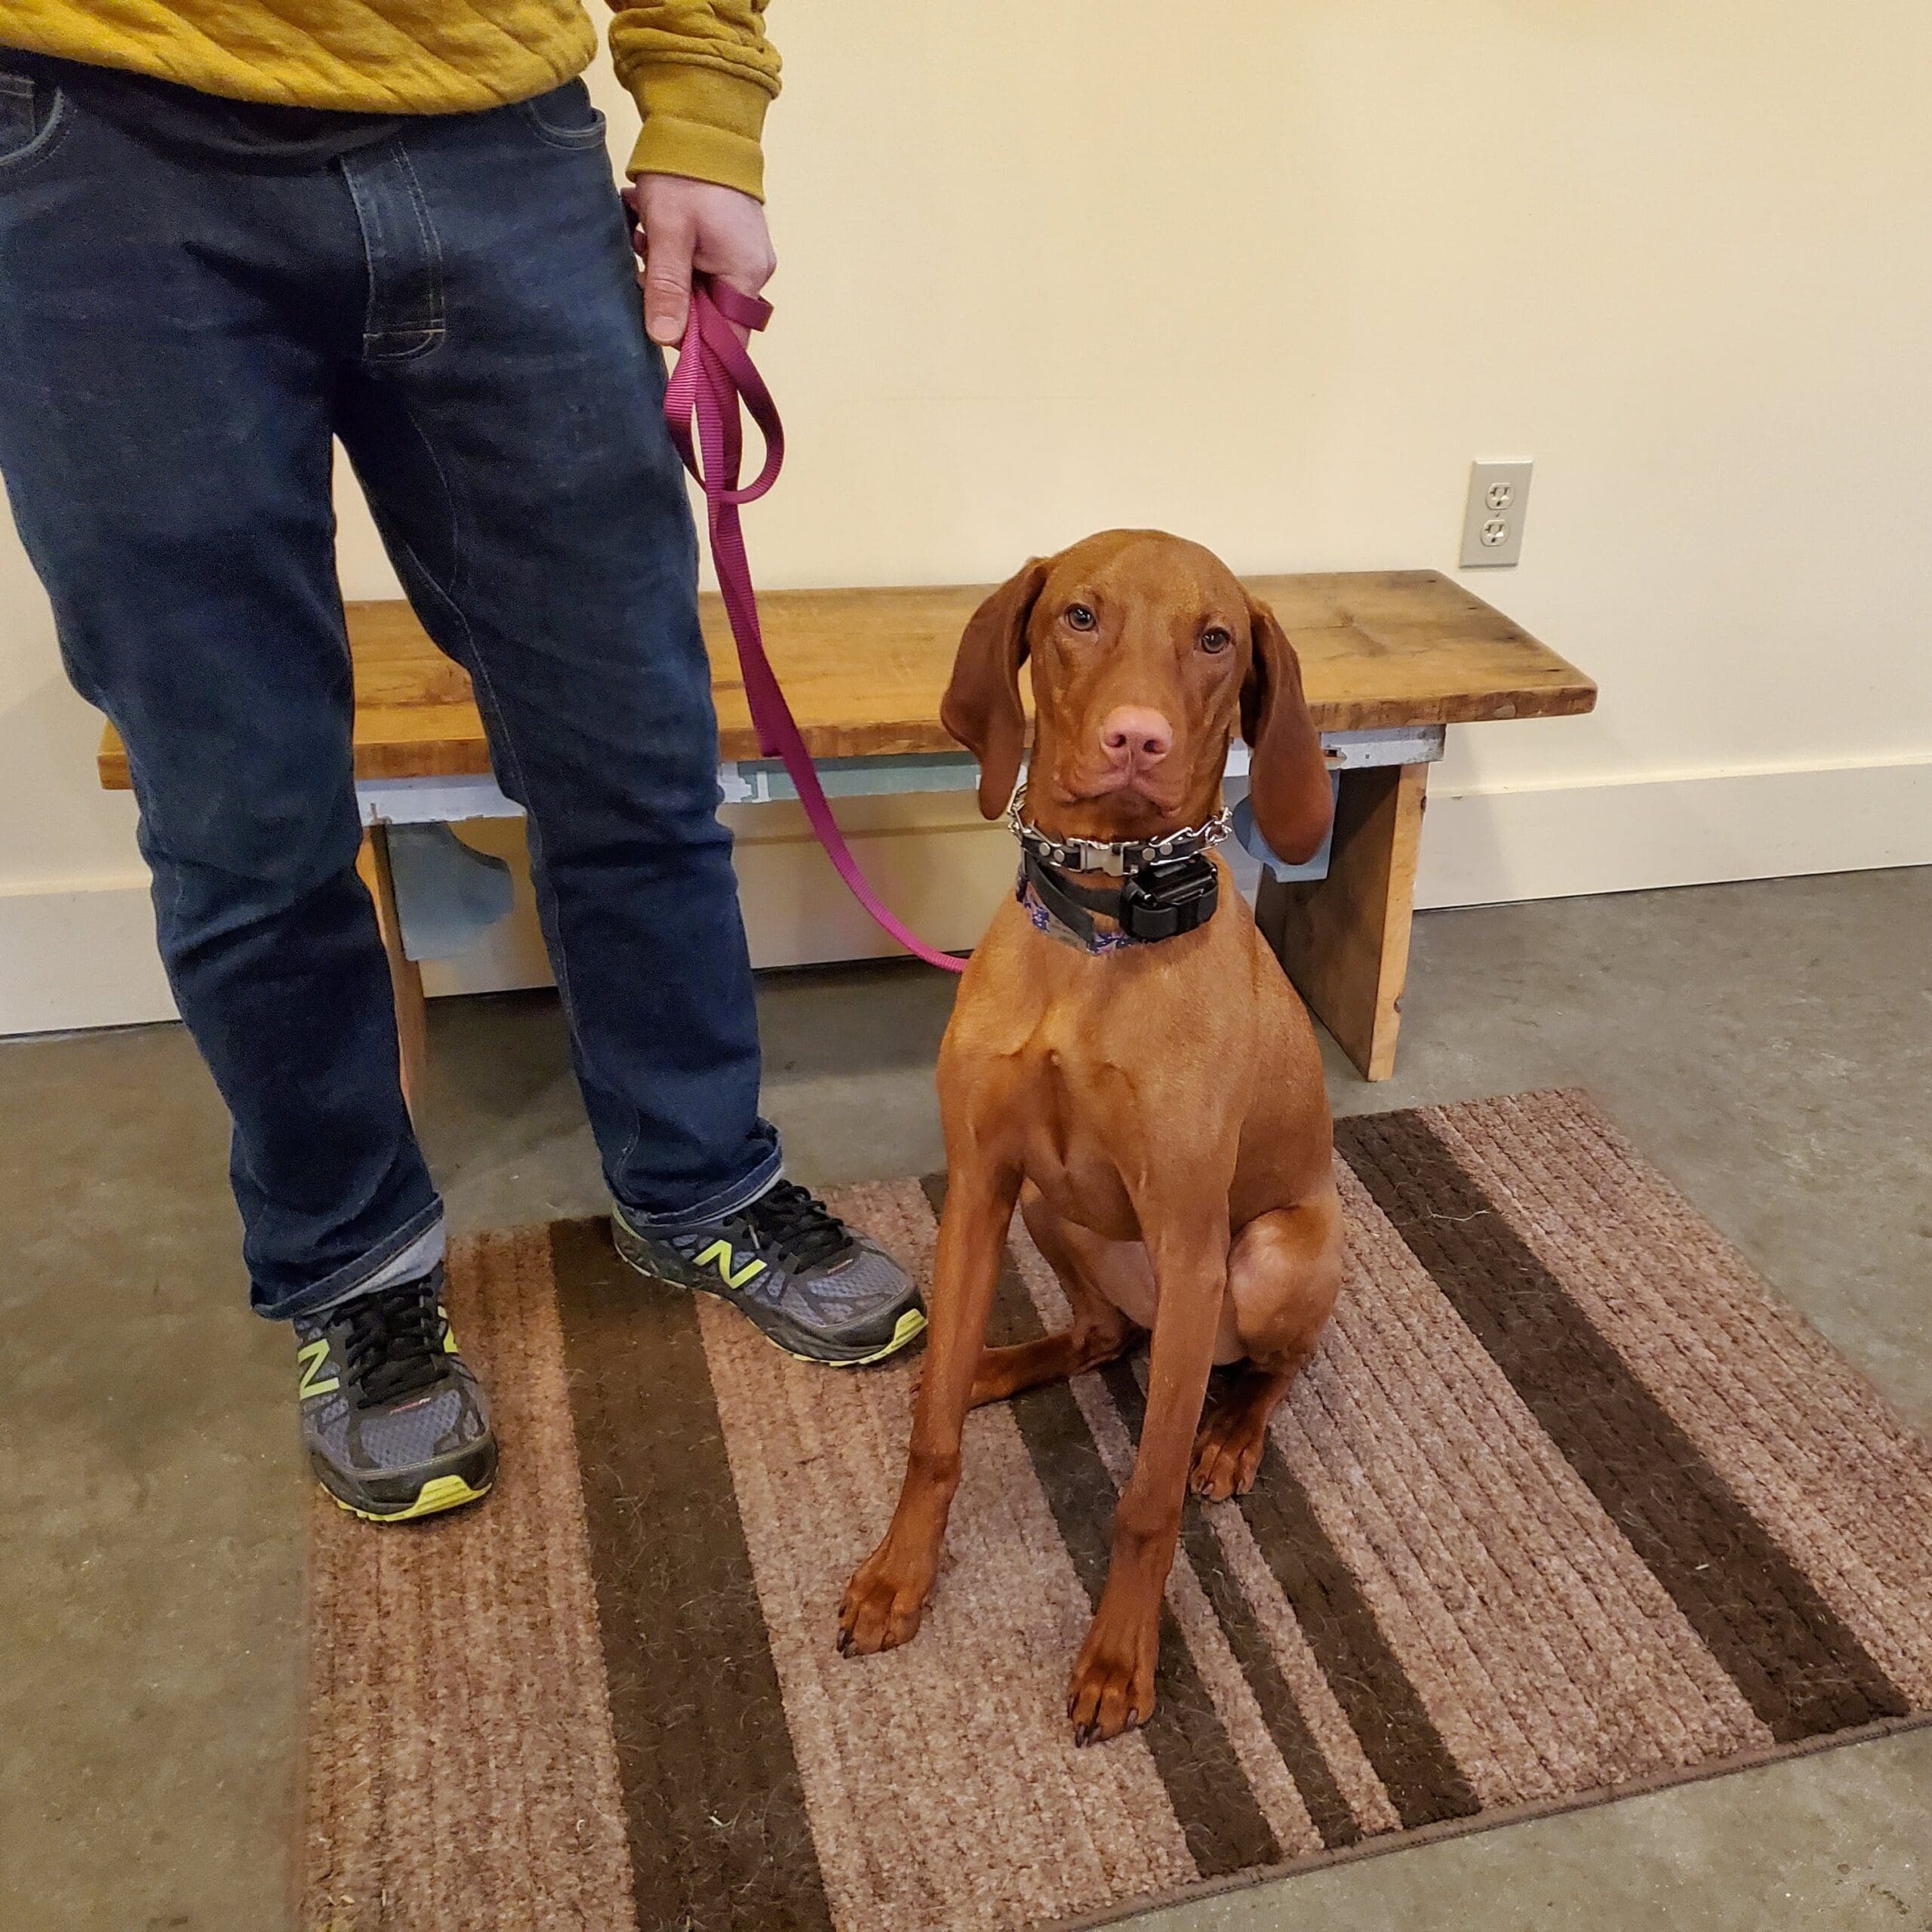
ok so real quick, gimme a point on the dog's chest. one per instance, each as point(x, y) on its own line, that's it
point(1076, 1113)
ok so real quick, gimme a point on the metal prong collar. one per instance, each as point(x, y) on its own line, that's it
point(1118, 857)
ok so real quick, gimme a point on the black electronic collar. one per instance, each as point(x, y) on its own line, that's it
point(1167, 886)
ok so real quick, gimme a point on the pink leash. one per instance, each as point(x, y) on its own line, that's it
point(713, 377)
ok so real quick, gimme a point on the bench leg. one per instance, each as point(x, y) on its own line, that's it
point(412, 1029)
point(1345, 939)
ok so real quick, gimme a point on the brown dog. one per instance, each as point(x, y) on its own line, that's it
point(1155, 1110)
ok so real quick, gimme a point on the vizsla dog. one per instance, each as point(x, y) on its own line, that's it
point(1143, 1082)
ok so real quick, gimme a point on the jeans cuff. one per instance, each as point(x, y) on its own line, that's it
point(413, 1249)
point(726, 1201)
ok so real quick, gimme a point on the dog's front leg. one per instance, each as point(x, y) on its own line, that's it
point(1112, 1687)
point(887, 1596)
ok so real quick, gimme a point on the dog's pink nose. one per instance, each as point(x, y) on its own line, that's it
point(1132, 735)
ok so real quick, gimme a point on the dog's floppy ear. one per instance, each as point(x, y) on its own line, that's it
point(1288, 782)
point(981, 707)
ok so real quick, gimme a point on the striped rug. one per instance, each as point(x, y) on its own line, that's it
point(1566, 1506)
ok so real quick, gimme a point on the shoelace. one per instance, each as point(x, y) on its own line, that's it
point(803, 1229)
point(394, 1346)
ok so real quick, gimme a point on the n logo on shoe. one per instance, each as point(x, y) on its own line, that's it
point(314, 1357)
point(719, 1252)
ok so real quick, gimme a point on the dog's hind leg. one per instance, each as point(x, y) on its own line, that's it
point(1283, 1272)
point(1099, 1330)
point(1227, 1451)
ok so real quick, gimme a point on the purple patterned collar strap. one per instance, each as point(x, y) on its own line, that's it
point(1044, 920)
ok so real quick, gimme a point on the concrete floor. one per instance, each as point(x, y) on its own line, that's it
point(1770, 1046)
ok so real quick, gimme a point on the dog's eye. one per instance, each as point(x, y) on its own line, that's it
point(1215, 638)
point(1080, 617)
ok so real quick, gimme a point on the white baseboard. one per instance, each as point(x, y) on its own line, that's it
point(82, 954)
point(1485, 847)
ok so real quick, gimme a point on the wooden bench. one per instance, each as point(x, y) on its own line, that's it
point(1389, 660)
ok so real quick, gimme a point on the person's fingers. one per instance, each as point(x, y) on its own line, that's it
point(747, 267)
point(746, 270)
point(691, 228)
point(668, 240)
point(633, 204)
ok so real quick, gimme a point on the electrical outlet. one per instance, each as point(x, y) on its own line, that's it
point(1492, 523)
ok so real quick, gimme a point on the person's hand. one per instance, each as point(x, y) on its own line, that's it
point(686, 226)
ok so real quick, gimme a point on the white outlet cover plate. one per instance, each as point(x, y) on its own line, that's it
point(1493, 521)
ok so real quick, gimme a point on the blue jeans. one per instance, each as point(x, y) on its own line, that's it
point(179, 343)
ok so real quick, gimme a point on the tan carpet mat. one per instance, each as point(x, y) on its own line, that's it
point(1567, 1505)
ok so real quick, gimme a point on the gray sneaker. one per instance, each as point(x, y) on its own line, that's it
point(396, 1424)
point(819, 1291)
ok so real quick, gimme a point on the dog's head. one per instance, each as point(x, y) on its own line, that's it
point(1146, 653)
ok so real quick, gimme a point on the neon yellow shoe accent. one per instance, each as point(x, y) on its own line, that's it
point(908, 1327)
point(720, 1252)
point(313, 1356)
point(440, 1494)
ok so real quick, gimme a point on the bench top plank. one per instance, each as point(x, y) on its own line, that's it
point(865, 668)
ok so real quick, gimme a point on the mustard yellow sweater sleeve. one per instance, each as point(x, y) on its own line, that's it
point(703, 74)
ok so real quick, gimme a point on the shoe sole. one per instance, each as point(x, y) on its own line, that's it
point(907, 1329)
point(439, 1495)
point(470, 1481)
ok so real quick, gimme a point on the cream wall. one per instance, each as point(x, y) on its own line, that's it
point(1048, 267)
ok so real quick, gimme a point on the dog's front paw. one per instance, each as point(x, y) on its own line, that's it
point(882, 1608)
point(1112, 1688)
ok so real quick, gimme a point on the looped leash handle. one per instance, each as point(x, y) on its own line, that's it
point(707, 387)
point(714, 379)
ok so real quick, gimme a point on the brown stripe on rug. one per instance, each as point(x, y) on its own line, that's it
point(1188, 1613)
point(1313, 1778)
point(1565, 1504)
point(1247, 1668)
point(1260, 1608)
point(1382, 1703)
point(940, 1778)
point(1801, 1668)
point(1385, 1712)
point(713, 1807)
point(1586, 1672)
point(1225, 1828)
point(1791, 1429)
